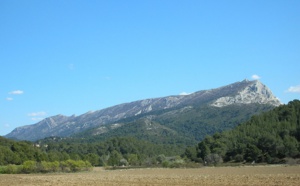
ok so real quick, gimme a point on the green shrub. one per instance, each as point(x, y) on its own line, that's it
point(29, 167)
point(49, 166)
point(54, 166)
point(88, 166)
point(45, 167)
point(239, 158)
point(13, 169)
point(165, 164)
point(64, 166)
point(75, 166)
point(10, 169)
point(2, 168)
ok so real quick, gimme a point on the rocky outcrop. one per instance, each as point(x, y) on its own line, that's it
point(255, 92)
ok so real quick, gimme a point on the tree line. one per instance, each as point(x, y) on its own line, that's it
point(116, 151)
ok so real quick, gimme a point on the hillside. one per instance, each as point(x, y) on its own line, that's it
point(244, 94)
point(268, 137)
point(185, 126)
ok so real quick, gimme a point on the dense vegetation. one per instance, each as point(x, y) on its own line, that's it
point(46, 167)
point(269, 137)
point(184, 126)
point(112, 152)
point(17, 152)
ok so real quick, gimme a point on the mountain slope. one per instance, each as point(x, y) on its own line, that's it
point(244, 92)
point(185, 126)
point(268, 137)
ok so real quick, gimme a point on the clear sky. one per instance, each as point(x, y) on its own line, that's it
point(70, 57)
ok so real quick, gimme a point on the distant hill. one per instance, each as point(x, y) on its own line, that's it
point(268, 137)
point(172, 119)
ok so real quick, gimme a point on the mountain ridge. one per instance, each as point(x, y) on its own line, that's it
point(244, 92)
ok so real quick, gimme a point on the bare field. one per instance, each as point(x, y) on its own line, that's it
point(257, 175)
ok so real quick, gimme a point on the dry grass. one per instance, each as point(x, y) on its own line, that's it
point(258, 175)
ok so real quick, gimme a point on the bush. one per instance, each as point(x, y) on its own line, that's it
point(88, 166)
point(239, 158)
point(123, 162)
point(291, 161)
point(173, 162)
point(10, 169)
point(165, 164)
point(14, 169)
point(75, 166)
point(29, 167)
point(2, 168)
point(45, 167)
point(54, 166)
point(64, 166)
point(49, 166)
point(161, 158)
point(213, 159)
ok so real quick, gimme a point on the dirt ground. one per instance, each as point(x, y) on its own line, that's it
point(258, 175)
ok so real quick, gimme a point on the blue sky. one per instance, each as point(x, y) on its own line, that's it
point(70, 57)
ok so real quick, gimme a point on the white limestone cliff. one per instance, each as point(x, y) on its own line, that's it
point(253, 93)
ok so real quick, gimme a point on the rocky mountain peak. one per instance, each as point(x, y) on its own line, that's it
point(255, 92)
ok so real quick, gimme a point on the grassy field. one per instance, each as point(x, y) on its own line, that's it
point(248, 175)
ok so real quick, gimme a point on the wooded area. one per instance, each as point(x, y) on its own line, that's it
point(269, 137)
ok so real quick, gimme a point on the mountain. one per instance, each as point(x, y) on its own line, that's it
point(179, 126)
point(248, 96)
